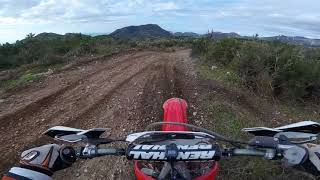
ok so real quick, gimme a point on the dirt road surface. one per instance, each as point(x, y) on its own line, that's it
point(124, 93)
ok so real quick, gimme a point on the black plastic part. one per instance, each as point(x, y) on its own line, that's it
point(10, 175)
point(264, 142)
point(38, 169)
point(68, 155)
point(171, 152)
point(121, 152)
point(284, 140)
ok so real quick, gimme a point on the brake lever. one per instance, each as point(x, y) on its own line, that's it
point(288, 136)
point(98, 141)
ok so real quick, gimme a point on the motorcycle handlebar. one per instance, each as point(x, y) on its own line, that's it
point(97, 152)
point(115, 152)
point(247, 152)
point(267, 153)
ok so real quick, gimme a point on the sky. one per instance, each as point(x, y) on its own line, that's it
point(246, 17)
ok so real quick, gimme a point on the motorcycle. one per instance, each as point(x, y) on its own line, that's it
point(184, 151)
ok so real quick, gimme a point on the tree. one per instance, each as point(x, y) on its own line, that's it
point(30, 35)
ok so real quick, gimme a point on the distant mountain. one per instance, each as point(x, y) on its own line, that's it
point(215, 35)
point(72, 35)
point(46, 35)
point(51, 36)
point(295, 40)
point(220, 35)
point(143, 31)
point(186, 34)
point(93, 34)
point(155, 31)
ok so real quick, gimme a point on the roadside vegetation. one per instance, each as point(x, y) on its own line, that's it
point(267, 68)
point(51, 48)
point(257, 83)
point(31, 58)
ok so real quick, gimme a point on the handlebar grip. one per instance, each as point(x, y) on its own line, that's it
point(94, 152)
point(247, 152)
point(267, 153)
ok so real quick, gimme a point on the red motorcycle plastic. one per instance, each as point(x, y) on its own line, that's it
point(175, 110)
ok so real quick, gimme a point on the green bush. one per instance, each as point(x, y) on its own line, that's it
point(269, 68)
point(51, 59)
point(29, 77)
point(250, 65)
point(220, 52)
point(298, 79)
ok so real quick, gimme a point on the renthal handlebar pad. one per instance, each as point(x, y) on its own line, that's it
point(175, 152)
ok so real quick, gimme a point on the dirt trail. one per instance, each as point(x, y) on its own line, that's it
point(124, 93)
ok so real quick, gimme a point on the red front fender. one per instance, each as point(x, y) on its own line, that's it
point(175, 110)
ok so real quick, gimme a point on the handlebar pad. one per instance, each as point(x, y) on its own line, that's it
point(184, 152)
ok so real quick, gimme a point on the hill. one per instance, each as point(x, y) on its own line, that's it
point(143, 31)
point(54, 36)
point(295, 40)
point(49, 35)
point(220, 35)
point(215, 35)
point(186, 34)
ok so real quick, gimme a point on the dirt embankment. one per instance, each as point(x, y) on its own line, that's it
point(124, 93)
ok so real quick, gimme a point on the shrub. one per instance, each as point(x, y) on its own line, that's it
point(51, 59)
point(270, 68)
point(298, 79)
point(250, 65)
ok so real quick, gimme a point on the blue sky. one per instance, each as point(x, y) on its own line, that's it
point(246, 17)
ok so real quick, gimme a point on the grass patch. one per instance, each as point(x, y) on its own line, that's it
point(105, 50)
point(43, 68)
point(221, 74)
point(225, 120)
point(34, 73)
point(228, 122)
point(26, 78)
point(299, 111)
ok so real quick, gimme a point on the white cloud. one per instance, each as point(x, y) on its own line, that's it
point(266, 17)
point(165, 6)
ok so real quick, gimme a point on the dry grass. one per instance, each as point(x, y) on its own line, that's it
point(228, 118)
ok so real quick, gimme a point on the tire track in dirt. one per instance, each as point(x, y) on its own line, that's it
point(168, 82)
point(67, 96)
point(125, 97)
point(152, 81)
point(117, 112)
point(34, 106)
point(90, 111)
point(15, 135)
